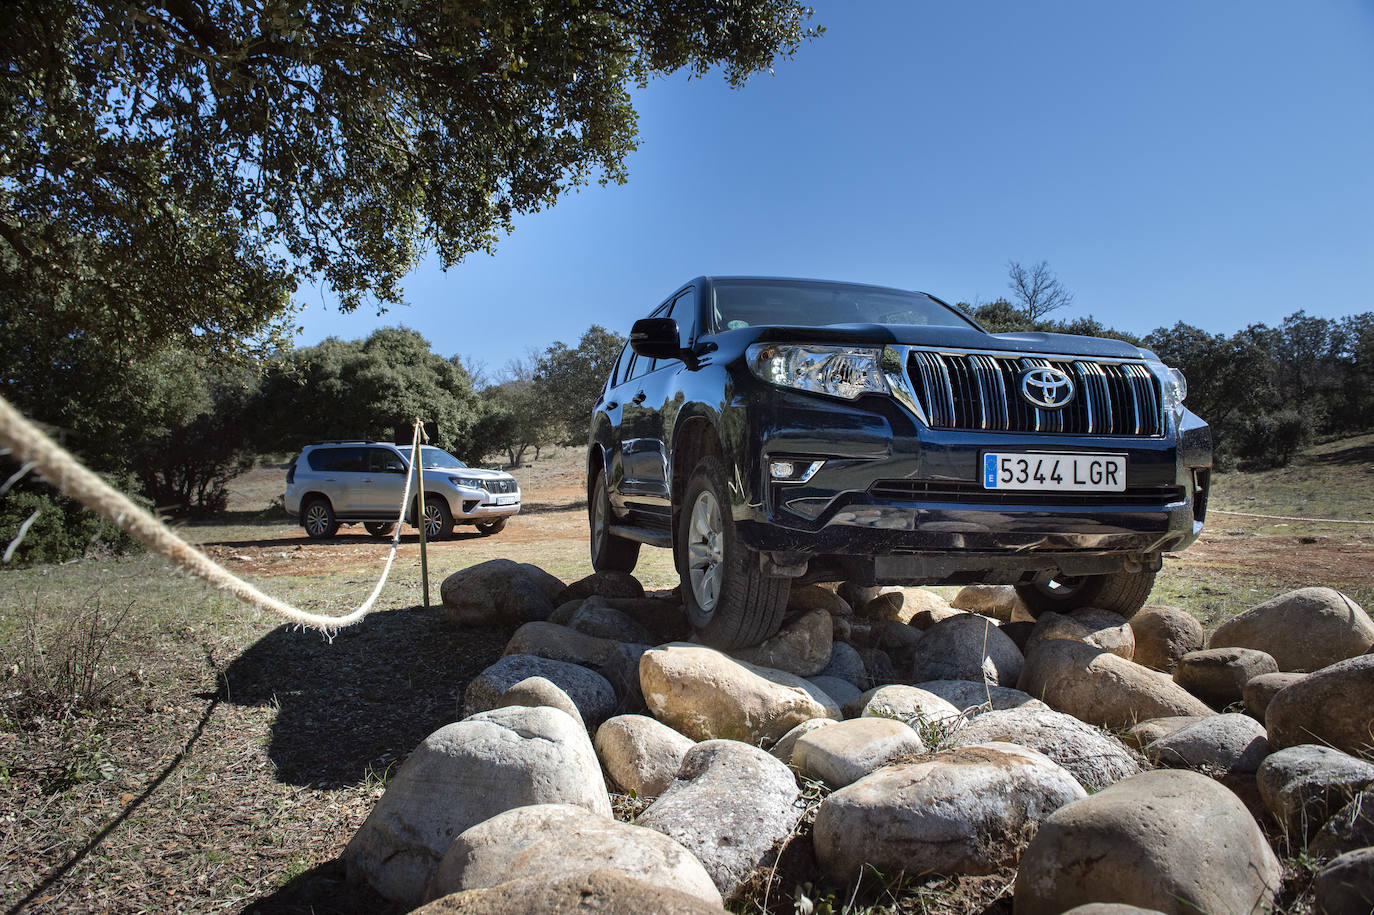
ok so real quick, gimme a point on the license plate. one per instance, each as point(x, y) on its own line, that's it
point(507, 500)
point(1055, 472)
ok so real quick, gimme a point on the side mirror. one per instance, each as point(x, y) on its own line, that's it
point(656, 338)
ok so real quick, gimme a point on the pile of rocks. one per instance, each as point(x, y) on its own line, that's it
point(1106, 760)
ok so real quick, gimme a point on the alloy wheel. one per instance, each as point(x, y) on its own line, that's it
point(705, 551)
point(317, 520)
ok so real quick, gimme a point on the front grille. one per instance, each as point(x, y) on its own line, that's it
point(500, 486)
point(974, 494)
point(981, 391)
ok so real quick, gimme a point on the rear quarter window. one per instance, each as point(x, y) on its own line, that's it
point(336, 459)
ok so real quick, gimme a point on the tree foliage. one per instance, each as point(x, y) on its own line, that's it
point(172, 171)
point(570, 378)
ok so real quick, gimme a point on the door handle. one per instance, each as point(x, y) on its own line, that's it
point(639, 398)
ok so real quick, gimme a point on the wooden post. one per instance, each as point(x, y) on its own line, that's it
point(423, 519)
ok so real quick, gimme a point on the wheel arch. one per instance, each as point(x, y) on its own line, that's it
point(694, 438)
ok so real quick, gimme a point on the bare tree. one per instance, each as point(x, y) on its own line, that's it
point(1038, 290)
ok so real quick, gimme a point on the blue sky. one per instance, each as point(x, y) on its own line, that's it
point(1173, 161)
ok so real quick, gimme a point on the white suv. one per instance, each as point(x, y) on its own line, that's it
point(333, 483)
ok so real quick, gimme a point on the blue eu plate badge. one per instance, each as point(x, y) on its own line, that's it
point(989, 471)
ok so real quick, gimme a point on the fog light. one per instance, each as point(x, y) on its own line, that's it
point(793, 472)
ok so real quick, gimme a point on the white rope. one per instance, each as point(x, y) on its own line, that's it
point(32, 447)
point(1218, 511)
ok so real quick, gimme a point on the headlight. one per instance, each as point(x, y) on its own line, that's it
point(465, 482)
point(840, 371)
point(1174, 386)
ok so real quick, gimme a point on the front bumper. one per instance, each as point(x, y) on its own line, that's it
point(479, 505)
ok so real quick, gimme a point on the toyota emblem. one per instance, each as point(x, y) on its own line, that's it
point(1047, 387)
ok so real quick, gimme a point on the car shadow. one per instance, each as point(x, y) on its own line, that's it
point(356, 705)
point(298, 538)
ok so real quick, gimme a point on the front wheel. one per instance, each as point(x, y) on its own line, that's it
point(487, 528)
point(438, 520)
point(609, 552)
point(728, 598)
point(1119, 592)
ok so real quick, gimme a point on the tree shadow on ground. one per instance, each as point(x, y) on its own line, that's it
point(322, 890)
point(361, 702)
point(1355, 454)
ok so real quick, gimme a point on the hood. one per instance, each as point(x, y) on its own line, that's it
point(948, 337)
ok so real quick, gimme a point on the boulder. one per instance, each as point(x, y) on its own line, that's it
point(465, 773)
point(1001, 602)
point(1218, 676)
point(602, 584)
point(1232, 744)
point(1151, 729)
point(706, 694)
point(617, 661)
point(1346, 885)
point(926, 617)
point(536, 691)
point(605, 892)
point(1110, 908)
point(1332, 706)
point(1165, 634)
point(1303, 630)
point(640, 754)
point(1104, 629)
point(801, 646)
point(1094, 757)
point(786, 744)
point(845, 664)
point(1304, 786)
point(559, 840)
point(849, 750)
point(967, 647)
point(499, 592)
point(855, 594)
point(901, 703)
point(589, 691)
point(1349, 828)
point(840, 691)
point(964, 811)
point(729, 806)
point(815, 597)
point(901, 604)
point(1170, 840)
point(897, 639)
point(879, 666)
point(965, 695)
point(1259, 691)
point(661, 617)
point(1100, 688)
point(595, 618)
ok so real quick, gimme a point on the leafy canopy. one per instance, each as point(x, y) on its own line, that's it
point(176, 169)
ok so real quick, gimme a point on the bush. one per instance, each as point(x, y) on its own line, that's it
point(1272, 439)
point(62, 530)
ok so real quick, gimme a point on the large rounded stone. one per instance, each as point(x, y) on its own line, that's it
point(729, 806)
point(1260, 691)
point(1233, 745)
point(705, 694)
point(1165, 634)
point(902, 703)
point(1332, 706)
point(605, 892)
point(787, 743)
point(841, 691)
point(845, 664)
point(640, 754)
point(1170, 840)
point(1106, 630)
point(966, 695)
point(602, 584)
point(964, 811)
point(815, 597)
point(849, 750)
point(1304, 785)
point(1349, 828)
point(1346, 885)
point(559, 840)
point(1110, 908)
point(537, 691)
point(465, 773)
point(901, 604)
point(596, 618)
point(1151, 729)
point(1100, 688)
point(1094, 757)
point(617, 661)
point(499, 592)
point(662, 618)
point(801, 646)
point(1218, 676)
point(589, 691)
point(1304, 630)
point(967, 647)
point(1001, 602)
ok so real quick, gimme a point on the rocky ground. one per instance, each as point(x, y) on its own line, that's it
point(887, 735)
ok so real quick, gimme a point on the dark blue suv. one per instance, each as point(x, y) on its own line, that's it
point(772, 431)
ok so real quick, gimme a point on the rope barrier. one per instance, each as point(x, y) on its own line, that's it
point(1217, 511)
point(32, 447)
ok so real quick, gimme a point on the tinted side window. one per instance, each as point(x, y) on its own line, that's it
point(337, 459)
point(382, 460)
point(684, 311)
point(622, 366)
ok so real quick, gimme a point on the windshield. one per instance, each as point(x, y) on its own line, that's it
point(749, 303)
point(432, 458)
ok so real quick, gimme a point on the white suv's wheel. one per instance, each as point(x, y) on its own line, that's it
point(318, 519)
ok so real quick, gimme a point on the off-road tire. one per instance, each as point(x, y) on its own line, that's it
point(1119, 592)
point(609, 552)
point(748, 605)
point(438, 519)
point(487, 528)
point(379, 529)
point(317, 517)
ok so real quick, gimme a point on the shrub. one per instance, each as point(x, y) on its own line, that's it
point(62, 529)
